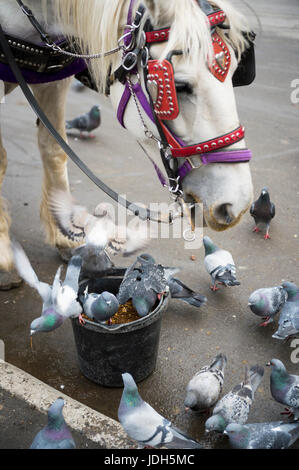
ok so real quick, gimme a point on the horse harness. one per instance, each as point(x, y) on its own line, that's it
point(160, 103)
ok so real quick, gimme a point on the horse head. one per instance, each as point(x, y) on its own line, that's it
point(207, 107)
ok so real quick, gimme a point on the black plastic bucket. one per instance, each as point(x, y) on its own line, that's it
point(105, 352)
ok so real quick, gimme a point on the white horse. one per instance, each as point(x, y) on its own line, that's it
point(224, 189)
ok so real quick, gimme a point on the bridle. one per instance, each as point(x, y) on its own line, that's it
point(164, 107)
point(135, 44)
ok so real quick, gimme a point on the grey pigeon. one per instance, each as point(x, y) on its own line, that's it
point(263, 211)
point(97, 231)
point(288, 323)
point(275, 435)
point(267, 302)
point(234, 407)
point(284, 387)
point(145, 425)
point(205, 387)
point(220, 265)
point(56, 435)
point(144, 283)
point(86, 122)
point(99, 307)
point(59, 300)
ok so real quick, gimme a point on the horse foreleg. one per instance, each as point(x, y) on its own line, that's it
point(52, 99)
point(8, 276)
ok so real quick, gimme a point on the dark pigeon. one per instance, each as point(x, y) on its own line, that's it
point(180, 291)
point(267, 302)
point(275, 435)
point(284, 387)
point(263, 211)
point(56, 435)
point(144, 282)
point(205, 387)
point(86, 122)
point(234, 407)
point(145, 425)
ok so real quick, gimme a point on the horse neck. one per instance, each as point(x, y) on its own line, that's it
point(15, 22)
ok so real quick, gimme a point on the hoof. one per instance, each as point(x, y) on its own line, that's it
point(65, 253)
point(9, 280)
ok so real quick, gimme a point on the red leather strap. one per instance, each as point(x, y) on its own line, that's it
point(160, 35)
point(204, 147)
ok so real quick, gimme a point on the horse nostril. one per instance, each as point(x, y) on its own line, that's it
point(223, 213)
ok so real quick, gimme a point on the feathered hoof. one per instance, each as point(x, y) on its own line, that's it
point(65, 253)
point(9, 280)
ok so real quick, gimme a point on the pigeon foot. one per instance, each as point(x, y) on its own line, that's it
point(214, 288)
point(265, 323)
point(81, 320)
point(256, 229)
point(288, 412)
point(267, 236)
point(9, 280)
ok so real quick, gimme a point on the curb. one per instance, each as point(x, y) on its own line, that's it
point(102, 430)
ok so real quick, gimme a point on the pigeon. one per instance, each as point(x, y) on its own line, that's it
point(59, 300)
point(99, 307)
point(145, 425)
point(234, 407)
point(144, 283)
point(100, 236)
point(86, 122)
point(205, 387)
point(267, 302)
point(288, 323)
point(274, 435)
point(284, 387)
point(219, 264)
point(56, 435)
point(263, 211)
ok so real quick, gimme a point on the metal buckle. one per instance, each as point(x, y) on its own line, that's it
point(129, 61)
point(192, 164)
point(175, 190)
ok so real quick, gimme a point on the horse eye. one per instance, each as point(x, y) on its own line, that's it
point(183, 87)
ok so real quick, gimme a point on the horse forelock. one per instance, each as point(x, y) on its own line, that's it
point(99, 23)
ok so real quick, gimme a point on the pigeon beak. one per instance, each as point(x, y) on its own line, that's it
point(108, 302)
point(32, 332)
point(187, 409)
point(225, 432)
point(268, 363)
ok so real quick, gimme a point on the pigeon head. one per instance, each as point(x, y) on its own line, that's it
point(190, 401)
point(95, 112)
point(238, 435)
point(257, 302)
point(49, 321)
point(104, 306)
point(210, 247)
point(215, 423)
point(141, 305)
point(292, 291)
point(279, 374)
point(55, 416)
point(130, 397)
point(264, 196)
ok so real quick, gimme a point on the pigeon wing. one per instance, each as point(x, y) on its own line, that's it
point(27, 273)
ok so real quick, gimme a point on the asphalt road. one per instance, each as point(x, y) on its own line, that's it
point(189, 338)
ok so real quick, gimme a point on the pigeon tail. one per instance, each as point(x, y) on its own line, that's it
point(256, 374)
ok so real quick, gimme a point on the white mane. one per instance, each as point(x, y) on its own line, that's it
point(98, 26)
